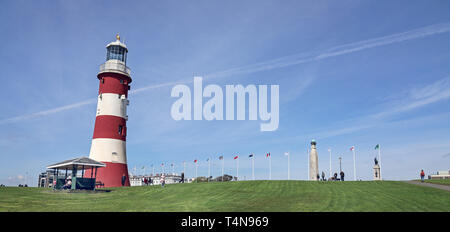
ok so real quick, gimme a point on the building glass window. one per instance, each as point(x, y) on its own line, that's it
point(120, 129)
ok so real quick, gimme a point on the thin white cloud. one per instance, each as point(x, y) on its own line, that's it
point(419, 97)
point(47, 112)
point(281, 62)
point(415, 98)
point(300, 58)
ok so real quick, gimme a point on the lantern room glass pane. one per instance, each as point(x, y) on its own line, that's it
point(116, 53)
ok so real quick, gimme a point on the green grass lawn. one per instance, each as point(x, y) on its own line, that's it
point(236, 196)
point(443, 182)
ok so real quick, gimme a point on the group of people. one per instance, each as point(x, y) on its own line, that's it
point(333, 178)
point(147, 181)
point(67, 184)
point(162, 180)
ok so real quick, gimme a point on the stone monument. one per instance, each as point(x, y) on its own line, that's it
point(376, 170)
point(313, 162)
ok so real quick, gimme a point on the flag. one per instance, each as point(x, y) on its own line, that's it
point(268, 154)
point(329, 149)
point(251, 155)
point(236, 157)
point(286, 153)
point(142, 167)
point(352, 148)
point(162, 164)
point(377, 146)
point(207, 160)
point(195, 161)
point(221, 157)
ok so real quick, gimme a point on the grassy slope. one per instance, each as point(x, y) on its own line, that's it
point(237, 196)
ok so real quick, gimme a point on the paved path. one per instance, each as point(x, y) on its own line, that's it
point(438, 186)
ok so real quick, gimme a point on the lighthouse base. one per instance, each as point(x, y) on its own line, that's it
point(111, 175)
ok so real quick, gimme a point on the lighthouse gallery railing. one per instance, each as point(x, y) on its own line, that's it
point(115, 66)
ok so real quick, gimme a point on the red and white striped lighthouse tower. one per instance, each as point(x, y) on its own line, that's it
point(110, 131)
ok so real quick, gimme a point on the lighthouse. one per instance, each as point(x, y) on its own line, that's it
point(110, 130)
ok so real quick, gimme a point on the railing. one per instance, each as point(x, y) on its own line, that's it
point(114, 66)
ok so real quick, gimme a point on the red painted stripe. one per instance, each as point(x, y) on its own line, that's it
point(114, 83)
point(107, 126)
point(111, 175)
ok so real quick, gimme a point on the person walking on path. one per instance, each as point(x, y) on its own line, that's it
point(422, 176)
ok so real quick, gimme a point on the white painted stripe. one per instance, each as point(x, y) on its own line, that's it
point(112, 104)
point(108, 150)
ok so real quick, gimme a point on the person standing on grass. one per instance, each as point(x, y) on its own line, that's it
point(422, 176)
point(342, 175)
point(163, 180)
point(182, 178)
point(124, 178)
point(323, 176)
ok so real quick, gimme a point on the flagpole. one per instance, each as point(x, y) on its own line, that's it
point(330, 161)
point(289, 166)
point(307, 155)
point(270, 167)
point(209, 168)
point(196, 174)
point(237, 169)
point(354, 164)
point(222, 167)
point(253, 167)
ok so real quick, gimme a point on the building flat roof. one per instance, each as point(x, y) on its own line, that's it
point(78, 163)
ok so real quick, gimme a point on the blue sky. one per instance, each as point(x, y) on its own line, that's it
point(351, 73)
